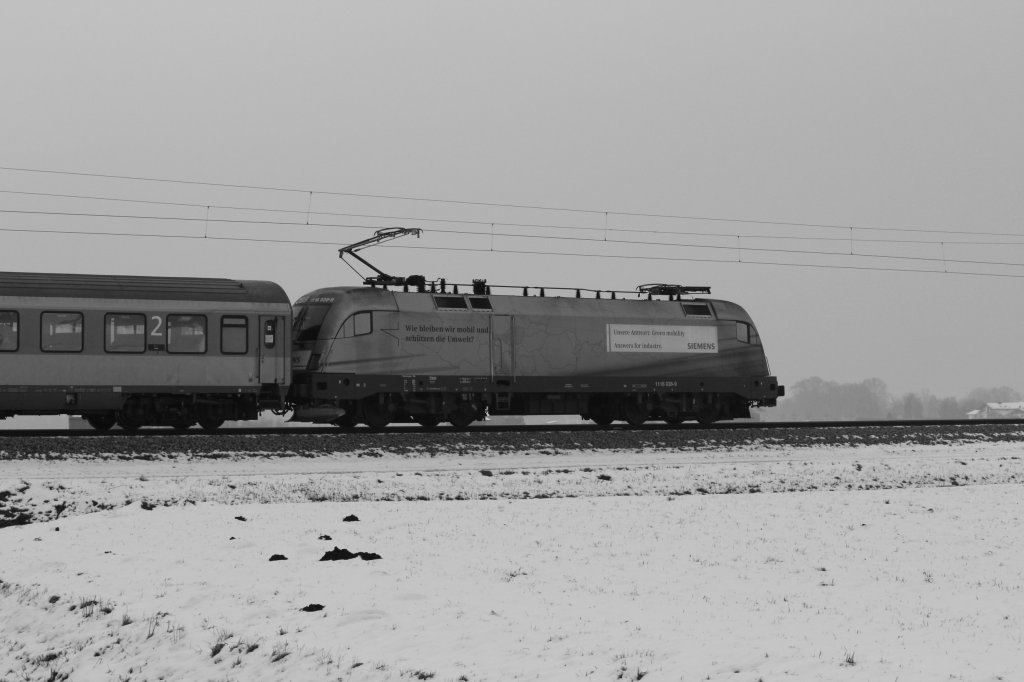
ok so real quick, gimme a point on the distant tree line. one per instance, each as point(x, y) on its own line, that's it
point(816, 399)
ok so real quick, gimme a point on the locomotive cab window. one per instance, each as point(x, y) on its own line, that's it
point(124, 333)
point(61, 332)
point(357, 324)
point(186, 334)
point(307, 320)
point(8, 330)
point(234, 335)
point(697, 309)
point(483, 303)
point(743, 332)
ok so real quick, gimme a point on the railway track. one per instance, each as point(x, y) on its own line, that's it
point(419, 442)
point(767, 427)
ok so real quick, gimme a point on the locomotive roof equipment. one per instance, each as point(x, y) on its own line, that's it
point(382, 278)
point(480, 287)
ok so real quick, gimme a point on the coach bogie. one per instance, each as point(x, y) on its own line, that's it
point(182, 411)
point(154, 410)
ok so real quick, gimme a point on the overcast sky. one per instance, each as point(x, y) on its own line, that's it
point(904, 116)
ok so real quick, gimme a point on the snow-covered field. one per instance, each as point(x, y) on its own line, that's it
point(856, 563)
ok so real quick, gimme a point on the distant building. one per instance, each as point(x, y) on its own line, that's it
point(998, 411)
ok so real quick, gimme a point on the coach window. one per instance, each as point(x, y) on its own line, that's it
point(61, 332)
point(8, 330)
point(743, 332)
point(234, 335)
point(186, 334)
point(124, 333)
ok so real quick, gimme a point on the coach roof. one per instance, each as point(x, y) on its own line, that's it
point(52, 285)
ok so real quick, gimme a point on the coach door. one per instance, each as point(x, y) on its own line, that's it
point(501, 346)
point(273, 346)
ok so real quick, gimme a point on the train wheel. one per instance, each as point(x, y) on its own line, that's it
point(127, 423)
point(181, 423)
point(375, 415)
point(346, 421)
point(707, 417)
point(634, 413)
point(463, 415)
point(674, 420)
point(600, 410)
point(428, 421)
point(102, 422)
point(211, 416)
point(209, 422)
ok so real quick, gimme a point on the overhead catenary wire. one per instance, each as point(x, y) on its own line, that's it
point(483, 223)
point(616, 256)
point(531, 207)
point(206, 235)
point(741, 247)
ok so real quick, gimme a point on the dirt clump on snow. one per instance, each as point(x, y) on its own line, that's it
point(345, 555)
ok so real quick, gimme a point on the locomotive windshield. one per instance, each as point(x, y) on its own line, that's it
point(307, 321)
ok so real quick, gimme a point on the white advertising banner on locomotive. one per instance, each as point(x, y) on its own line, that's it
point(658, 338)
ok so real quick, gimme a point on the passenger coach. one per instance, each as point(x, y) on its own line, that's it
point(141, 351)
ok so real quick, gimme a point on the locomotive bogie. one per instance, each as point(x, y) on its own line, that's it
point(139, 351)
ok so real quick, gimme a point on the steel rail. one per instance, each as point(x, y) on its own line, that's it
point(163, 432)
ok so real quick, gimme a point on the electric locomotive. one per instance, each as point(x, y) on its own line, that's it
point(399, 350)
